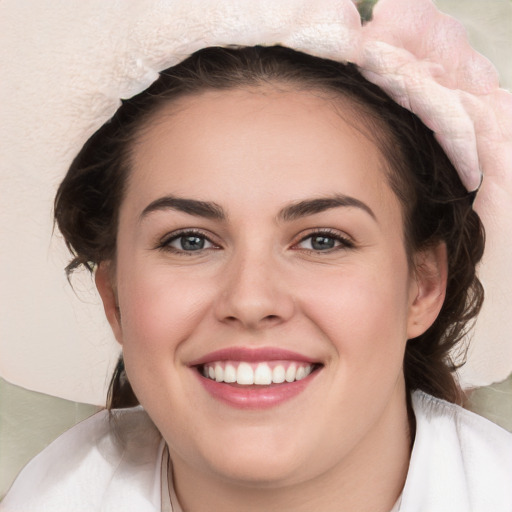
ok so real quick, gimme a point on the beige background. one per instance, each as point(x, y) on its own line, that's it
point(29, 421)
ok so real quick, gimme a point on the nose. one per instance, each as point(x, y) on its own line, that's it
point(254, 293)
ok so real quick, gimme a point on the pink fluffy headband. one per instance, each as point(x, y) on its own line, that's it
point(65, 67)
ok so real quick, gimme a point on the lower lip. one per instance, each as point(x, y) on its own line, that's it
point(255, 397)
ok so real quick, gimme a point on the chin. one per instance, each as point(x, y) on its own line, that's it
point(260, 471)
point(272, 460)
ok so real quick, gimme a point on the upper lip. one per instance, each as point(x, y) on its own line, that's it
point(251, 355)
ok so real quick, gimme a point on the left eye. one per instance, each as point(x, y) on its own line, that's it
point(323, 242)
point(189, 242)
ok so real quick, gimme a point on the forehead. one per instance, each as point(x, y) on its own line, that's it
point(257, 143)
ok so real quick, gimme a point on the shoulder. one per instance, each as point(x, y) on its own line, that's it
point(103, 463)
point(476, 437)
point(460, 461)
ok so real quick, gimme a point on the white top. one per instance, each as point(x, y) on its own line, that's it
point(460, 463)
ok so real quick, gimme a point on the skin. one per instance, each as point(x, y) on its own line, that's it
point(344, 442)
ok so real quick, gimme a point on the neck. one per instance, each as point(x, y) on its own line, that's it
point(369, 479)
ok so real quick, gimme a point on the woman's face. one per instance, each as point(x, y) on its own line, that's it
point(259, 240)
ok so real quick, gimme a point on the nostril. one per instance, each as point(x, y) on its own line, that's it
point(268, 319)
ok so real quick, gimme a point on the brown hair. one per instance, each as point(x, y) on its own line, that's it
point(436, 206)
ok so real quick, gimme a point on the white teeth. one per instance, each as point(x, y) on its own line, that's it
point(291, 372)
point(229, 373)
point(301, 373)
point(278, 374)
point(261, 374)
point(244, 374)
point(219, 373)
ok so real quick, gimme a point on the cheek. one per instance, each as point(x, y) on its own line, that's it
point(160, 312)
point(363, 311)
point(160, 307)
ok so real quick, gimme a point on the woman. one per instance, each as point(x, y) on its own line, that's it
point(286, 257)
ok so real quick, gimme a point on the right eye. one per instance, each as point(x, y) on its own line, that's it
point(187, 242)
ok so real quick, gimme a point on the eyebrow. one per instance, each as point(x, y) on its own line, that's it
point(312, 206)
point(194, 207)
point(211, 210)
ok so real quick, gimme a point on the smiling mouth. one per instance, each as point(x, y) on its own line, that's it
point(264, 373)
point(249, 378)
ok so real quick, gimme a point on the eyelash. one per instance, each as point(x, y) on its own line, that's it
point(344, 242)
point(164, 244)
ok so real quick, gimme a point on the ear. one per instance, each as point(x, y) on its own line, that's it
point(104, 277)
point(429, 289)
